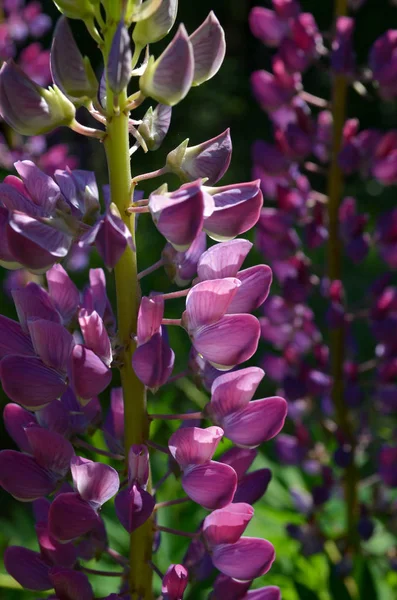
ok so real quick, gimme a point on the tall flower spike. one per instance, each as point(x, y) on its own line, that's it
point(157, 26)
point(29, 108)
point(169, 78)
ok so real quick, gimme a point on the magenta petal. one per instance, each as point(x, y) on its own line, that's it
point(223, 260)
point(95, 482)
point(233, 391)
point(34, 302)
point(50, 450)
point(174, 582)
point(258, 422)
point(133, 507)
point(240, 459)
point(212, 485)
point(153, 361)
point(56, 553)
point(16, 419)
point(227, 525)
point(70, 585)
point(71, 517)
point(227, 587)
point(112, 238)
point(28, 568)
point(246, 559)
point(254, 289)
point(150, 314)
point(52, 342)
point(208, 301)
point(193, 445)
point(95, 335)
point(229, 342)
point(113, 427)
point(90, 376)
point(252, 486)
point(23, 478)
point(13, 340)
point(63, 292)
point(270, 592)
point(38, 386)
point(266, 25)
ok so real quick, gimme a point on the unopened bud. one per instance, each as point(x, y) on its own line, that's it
point(157, 26)
point(155, 125)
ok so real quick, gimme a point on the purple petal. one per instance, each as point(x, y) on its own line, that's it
point(5, 252)
point(209, 49)
point(138, 464)
point(153, 362)
point(95, 335)
point(240, 459)
point(258, 422)
point(70, 585)
point(229, 342)
point(23, 478)
point(223, 260)
point(63, 292)
point(16, 419)
point(52, 342)
point(14, 197)
point(150, 314)
point(233, 391)
point(55, 416)
point(118, 68)
point(252, 486)
point(64, 555)
point(212, 485)
point(193, 445)
point(267, 26)
point(227, 525)
point(134, 507)
point(28, 568)
point(270, 592)
point(208, 301)
point(246, 559)
point(42, 189)
point(41, 508)
point(95, 482)
point(38, 386)
point(71, 517)
point(174, 582)
point(112, 238)
point(13, 340)
point(181, 267)
point(50, 450)
point(209, 160)
point(90, 376)
point(114, 423)
point(32, 301)
point(254, 289)
point(226, 587)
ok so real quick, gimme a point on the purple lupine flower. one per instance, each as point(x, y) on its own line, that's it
point(209, 48)
point(134, 505)
point(95, 484)
point(246, 423)
point(382, 60)
point(181, 267)
point(208, 483)
point(174, 582)
point(63, 292)
point(222, 339)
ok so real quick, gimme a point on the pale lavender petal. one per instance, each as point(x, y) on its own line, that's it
point(223, 260)
point(254, 289)
point(233, 391)
point(50, 450)
point(133, 507)
point(252, 486)
point(153, 361)
point(42, 188)
point(38, 386)
point(240, 459)
point(208, 301)
point(258, 422)
point(95, 335)
point(89, 375)
point(209, 49)
point(23, 478)
point(71, 517)
point(15, 198)
point(193, 445)
point(13, 340)
point(212, 484)
point(70, 584)
point(52, 342)
point(229, 342)
point(227, 525)
point(27, 568)
point(95, 482)
point(246, 559)
point(32, 301)
point(16, 419)
point(63, 292)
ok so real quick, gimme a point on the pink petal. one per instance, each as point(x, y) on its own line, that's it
point(52, 342)
point(229, 342)
point(193, 445)
point(27, 568)
point(227, 525)
point(254, 289)
point(233, 391)
point(208, 301)
point(23, 478)
point(223, 260)
point(258, 422)
point(212, 484)
point(95, 335)
point(174, 582)
point(50, 450)
point(151, 311)
point(95, 482)
point(246, 559)
point(71, 517)
point(54, 552)
point(89, 375)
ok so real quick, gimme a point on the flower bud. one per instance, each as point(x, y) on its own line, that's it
point(169, 78)
point(155, 125)
point(71, 72)
point(27, 107)
point(209, 160)
point(137, 10)
point(76, 9)
point(119, 61)
point(209, 49)
point(174, 582)
point(157, 26)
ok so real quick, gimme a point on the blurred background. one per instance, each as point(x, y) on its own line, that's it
point(226, 101)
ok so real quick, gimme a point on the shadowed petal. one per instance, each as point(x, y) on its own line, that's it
point(70, 585)
point(95, 335)
point(134, 507)
point(90, 376)
point(233, 391)
point(246, 559)
point(208, 301)
point(23, 478)
point(254, 289)
point(95, 482)
point(252, 486)
point(227, 587)
point(223, 260)
point(13, 340)
point(71, 517)
point(28, 568)
point(64, 555)
point(113, 427)
point(63, 292)
point(153, 361)
point(227, 525)
point(193, 445)
point(212, 485)
point(240, 459)
point(52, 342)
point(16, 419)
point(32, 301)
point(50, 450)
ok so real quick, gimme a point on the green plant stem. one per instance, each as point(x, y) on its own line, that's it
point(337, 337)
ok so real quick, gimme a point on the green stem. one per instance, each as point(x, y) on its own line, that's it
point(337, 337)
